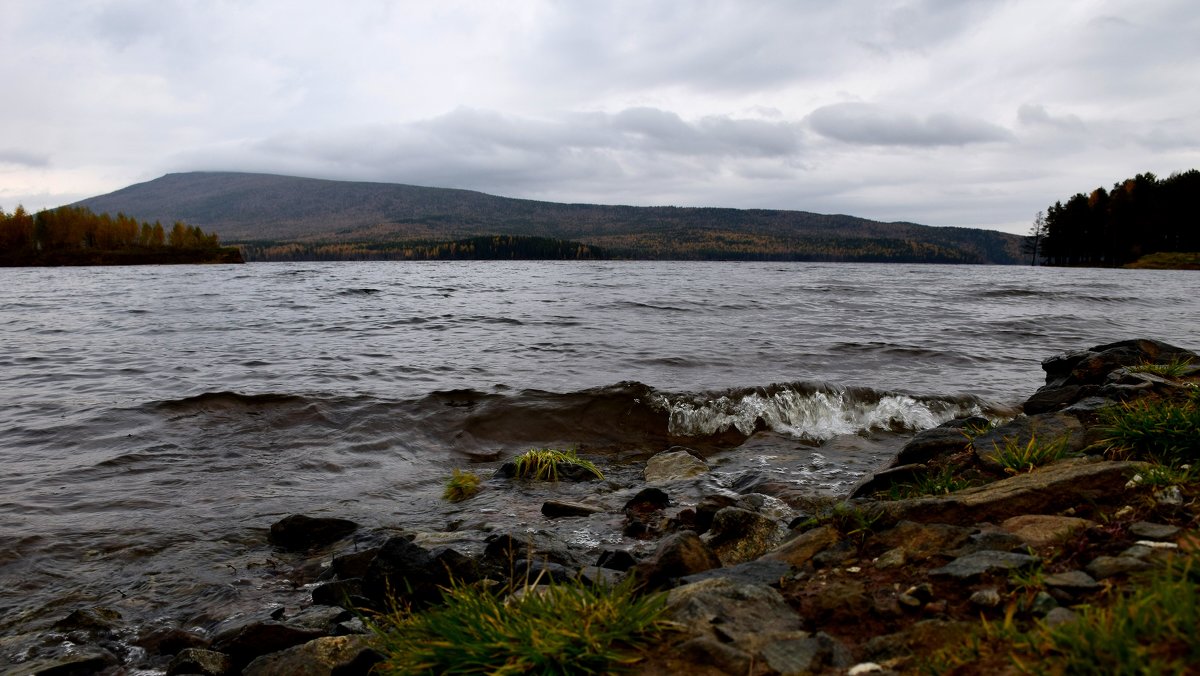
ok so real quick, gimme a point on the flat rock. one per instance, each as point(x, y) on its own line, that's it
point(974, 565)
point(759, 571)
point(1045, 490)
point(299, 532)
point(673, 465)
point(1108, 566)
point(923, 540)
point(1154, 531)
point(326, 656)
point(1044, 529)
point(559, 508)
point(1074, 581)
point(747, 616)
point(800, 549)
point(245, 642)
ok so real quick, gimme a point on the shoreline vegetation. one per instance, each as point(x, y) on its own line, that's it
point(1065, 540)
point(71, 236)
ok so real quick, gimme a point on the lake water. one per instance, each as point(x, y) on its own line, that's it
point(155, 420)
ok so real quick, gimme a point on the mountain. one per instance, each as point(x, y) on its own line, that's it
point(315, 215)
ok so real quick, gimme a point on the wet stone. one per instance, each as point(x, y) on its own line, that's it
point(1107, 566)
point(1075, 581)
point(984, 562)
point(672, 465)
point(1153, 531)
point(560, 508)
point(299, 532)
point(198, 661)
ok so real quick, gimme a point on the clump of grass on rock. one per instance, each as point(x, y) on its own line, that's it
point(562, 628)
point(1166, 431)
point(461, 485)
point(1015, 457)
point(544, 464)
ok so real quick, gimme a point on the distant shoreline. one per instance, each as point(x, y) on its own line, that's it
point(76, 258)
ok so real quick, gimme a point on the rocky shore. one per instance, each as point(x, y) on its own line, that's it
point(758, 578)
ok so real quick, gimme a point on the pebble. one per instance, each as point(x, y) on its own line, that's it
point(987, 598)
point(1170, 496)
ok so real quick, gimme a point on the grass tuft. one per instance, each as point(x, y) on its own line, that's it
point(1176, 368)
point(1163, 430)
point(542, 464)
point(942, 482)
point(460, 486)
point(567, 628)
point(1015, 458)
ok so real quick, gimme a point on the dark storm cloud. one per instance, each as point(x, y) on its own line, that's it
point(868, 124)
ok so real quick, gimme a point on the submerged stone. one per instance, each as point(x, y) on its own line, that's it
point(299, 532)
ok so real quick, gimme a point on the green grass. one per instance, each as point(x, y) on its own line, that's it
point(460, 486)
point(1151, 627)
point(941, 482)
point(1176, 368)
point(1014, 458)
point(1162, 476)
point(542, 464)
point(1166, 431)
point(568, 628)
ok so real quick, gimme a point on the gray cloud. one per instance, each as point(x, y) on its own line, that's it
point(864, 123)
point(23, 158)
point(1037, 116)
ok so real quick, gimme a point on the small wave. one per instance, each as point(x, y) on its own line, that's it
point(813, 413)
point(225, 399)
point(358, 292)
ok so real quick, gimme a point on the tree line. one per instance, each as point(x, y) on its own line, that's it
point(78, 228)
point(1140, 216)
point(493, 247)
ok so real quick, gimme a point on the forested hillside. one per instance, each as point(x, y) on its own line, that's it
point(375, 220)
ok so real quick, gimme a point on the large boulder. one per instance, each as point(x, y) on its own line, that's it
point(1074, 376)
point(402, 570)
point(299, 532)
point(678, 555)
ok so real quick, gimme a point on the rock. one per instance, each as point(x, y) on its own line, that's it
point(1049, 489)
point(649, 499)
point(345, 593)
point(759, 571)
point(536, 571)
point(1103, 567)
point(566, 471)
point(321, 618)
point(971, 566)
point(595, 575)
point(559, 508)
point(1153, 531)
point(884, 479)
point(673, 465)
point(1059, 616)
point(81, 661)
point(326, 656)
point(989, 541)
point(1093, 365)
point(1049, 399)
point(197, 661)
point(678, 555)
point(801, 654)
point(743, 615)
point(986, 598)
point(97, 619)
point(709, 651)
point(354, 564)
point(1042, 604)
point(1170, 496)
point(939, 441)
point(738, 535)
point(1038, 530)
point(1043, 427)
point(247, 641)
point(836, 601)
point(299, 532)
point(800, 549)
point(923, 540)
point(168, 641)
point(1073, 581)
point(405, 570)
point(616, 559)
point(892, 558)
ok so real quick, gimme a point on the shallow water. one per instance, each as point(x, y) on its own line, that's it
point(156, 420)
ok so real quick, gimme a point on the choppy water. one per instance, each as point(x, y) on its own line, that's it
point(155, 420)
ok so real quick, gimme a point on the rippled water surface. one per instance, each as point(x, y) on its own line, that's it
point(155, 420)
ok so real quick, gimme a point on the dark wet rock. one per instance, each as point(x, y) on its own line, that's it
point(1092, 366)
point(1042, 603)
point(936, 442)
point(404, 570)
point(345, 593)
point(709, 651)
point(649, 499)
point(802, 548)
point(1040, 428)
point(326, 656)
point(678, 555)
point(806, 654)
point(299, 532)
point(321, 618)
point(83, 661)
point(708, 507)
point(1153, 531)
point(169, 641)
point(97, 619)
point(561, 508)
point(923, 540)
point(197, 661)
point(882, 480)
point(1103, 567)
point(353, 564)
point(616, 559)
point(349, 627)
point(1046, 490)
point(245, 642)
point(971, 566)
point(739, 535)
point(892, 558)
point(1072, 581)
point(1050, 399)
point(1038, 530)
point(745, 615)
point(604, 577)
point(535, 571)
point(673, 465)
point(759, 571)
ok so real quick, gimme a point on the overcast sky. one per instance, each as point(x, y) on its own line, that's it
point(945, 112)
